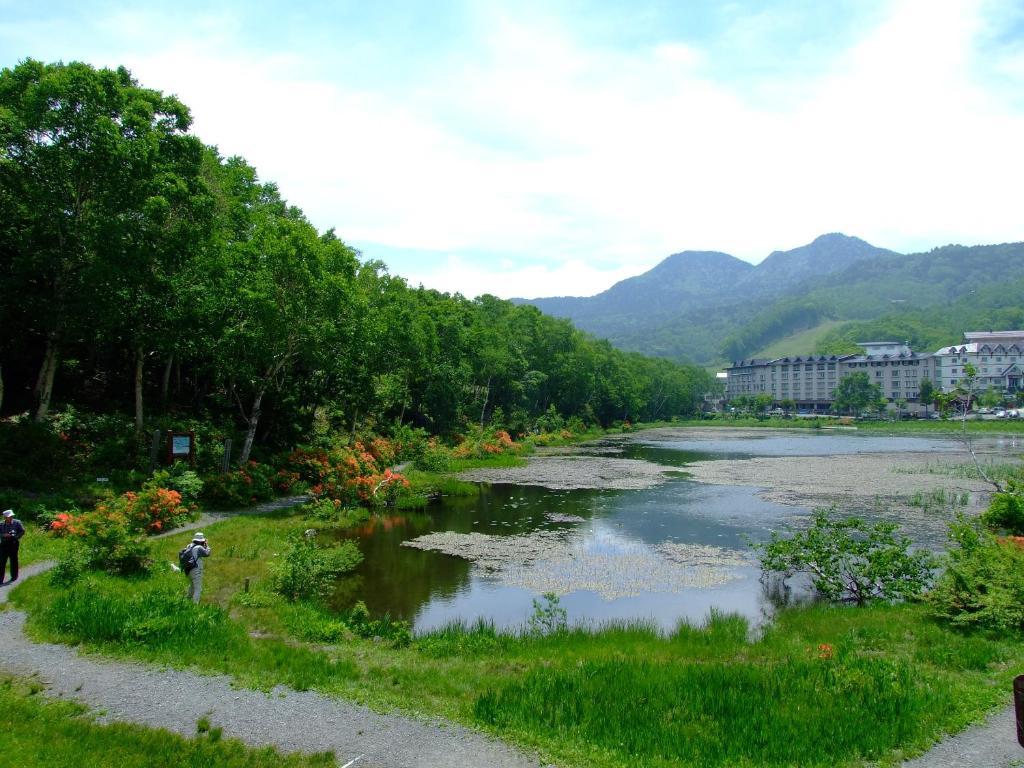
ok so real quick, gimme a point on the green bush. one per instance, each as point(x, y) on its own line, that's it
point(305, 571)
point(26, 448)
point(251, 484)
point(850, 560)
point(178, 477)
point(983, 581)
point(1006, 510)
point(433, 457)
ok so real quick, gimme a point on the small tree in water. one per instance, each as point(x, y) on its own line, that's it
point(548, 617)
point(850, 560)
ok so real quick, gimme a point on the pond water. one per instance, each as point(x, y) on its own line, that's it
point(662, 554)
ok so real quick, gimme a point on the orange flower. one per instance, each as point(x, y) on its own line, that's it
point(825, 651)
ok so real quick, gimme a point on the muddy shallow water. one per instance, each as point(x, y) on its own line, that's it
point(654, 526)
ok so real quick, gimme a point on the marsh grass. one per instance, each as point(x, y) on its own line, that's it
point(821, 712)
point(497, 460)
point(939, 499)
point(41, 733)
point(1001, 471)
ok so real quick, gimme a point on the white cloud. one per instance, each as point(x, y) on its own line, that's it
point(474, 277)
point(600, 162)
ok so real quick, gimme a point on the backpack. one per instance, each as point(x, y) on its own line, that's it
point(188, 559)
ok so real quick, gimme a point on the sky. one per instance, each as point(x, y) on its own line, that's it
point(553, 148)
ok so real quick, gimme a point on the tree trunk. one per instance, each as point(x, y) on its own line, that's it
point(165, 386)
point(139, 363)
point(44, 385)
point(250, 434)
point(487, 396)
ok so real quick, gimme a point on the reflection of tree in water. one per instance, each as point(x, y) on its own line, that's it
point(399, 581)
point(392, 579)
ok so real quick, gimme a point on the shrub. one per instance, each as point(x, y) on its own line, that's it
point(1006, 510)
point(480, 443)
point(434, 457)
point(304, 571)
point(850, 560)
point(104, 540)
point(178, 477)
point(25, 447)
point(251, 484)
point(548, 616)
point(358, 620)
point(983, 581)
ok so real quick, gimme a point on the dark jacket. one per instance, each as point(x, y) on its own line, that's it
point(11, 530)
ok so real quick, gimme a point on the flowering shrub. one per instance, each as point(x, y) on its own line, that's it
point(104, 538)
point(150, 510)
point(482, 443)
point(252, 483)
point(356, 475)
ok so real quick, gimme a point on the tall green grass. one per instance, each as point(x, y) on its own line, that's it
point(818, 712)
point(152, 619)
point(41, 734)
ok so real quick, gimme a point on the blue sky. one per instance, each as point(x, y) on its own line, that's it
point(553, 148)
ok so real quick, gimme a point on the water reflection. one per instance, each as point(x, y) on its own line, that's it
point(612, 539)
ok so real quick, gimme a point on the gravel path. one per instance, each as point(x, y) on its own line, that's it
point(992, 744)
point(289, 720)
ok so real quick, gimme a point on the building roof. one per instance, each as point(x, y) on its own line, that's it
point(959, 349)
point(993, 335)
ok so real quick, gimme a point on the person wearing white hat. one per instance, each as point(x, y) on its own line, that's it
point(192, 559)
point(11, 531)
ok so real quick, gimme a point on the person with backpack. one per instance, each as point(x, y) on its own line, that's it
point(11, 531)
point(191, 560)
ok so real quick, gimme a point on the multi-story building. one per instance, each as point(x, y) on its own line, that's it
point(997, 356)
point(810, 381)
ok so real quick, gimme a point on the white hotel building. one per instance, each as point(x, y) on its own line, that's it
point(810, 381)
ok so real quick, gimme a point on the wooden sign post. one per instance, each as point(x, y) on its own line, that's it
point(181, 446)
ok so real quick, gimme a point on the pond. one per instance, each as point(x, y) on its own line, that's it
point(662, 554)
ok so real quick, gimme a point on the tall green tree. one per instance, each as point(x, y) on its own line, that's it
point(88, 156)
point(855, 393)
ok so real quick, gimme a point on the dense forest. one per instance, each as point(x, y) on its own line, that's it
point(142, 272)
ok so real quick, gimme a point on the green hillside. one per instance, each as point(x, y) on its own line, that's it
point(801, 342)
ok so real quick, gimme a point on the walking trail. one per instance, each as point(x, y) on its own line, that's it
point(310, 722)
point(289, 720)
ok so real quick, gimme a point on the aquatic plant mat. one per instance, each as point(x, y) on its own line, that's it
point(557, 561)
point(564, 473)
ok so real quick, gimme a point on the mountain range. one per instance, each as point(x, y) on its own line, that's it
point(709, 307)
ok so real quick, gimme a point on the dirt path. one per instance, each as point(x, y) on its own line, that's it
point(289, 720)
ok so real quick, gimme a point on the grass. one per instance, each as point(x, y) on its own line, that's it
point(798, 343)
point(38, 545)
point(1001, 471)
point(39, 732)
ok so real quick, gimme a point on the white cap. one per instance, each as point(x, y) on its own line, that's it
point(199, 537)
point(8, 513)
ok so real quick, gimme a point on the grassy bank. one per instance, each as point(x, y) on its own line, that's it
point(40, 733)
point(822, 686)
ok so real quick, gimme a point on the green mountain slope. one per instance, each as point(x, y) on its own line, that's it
point(708, 307)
